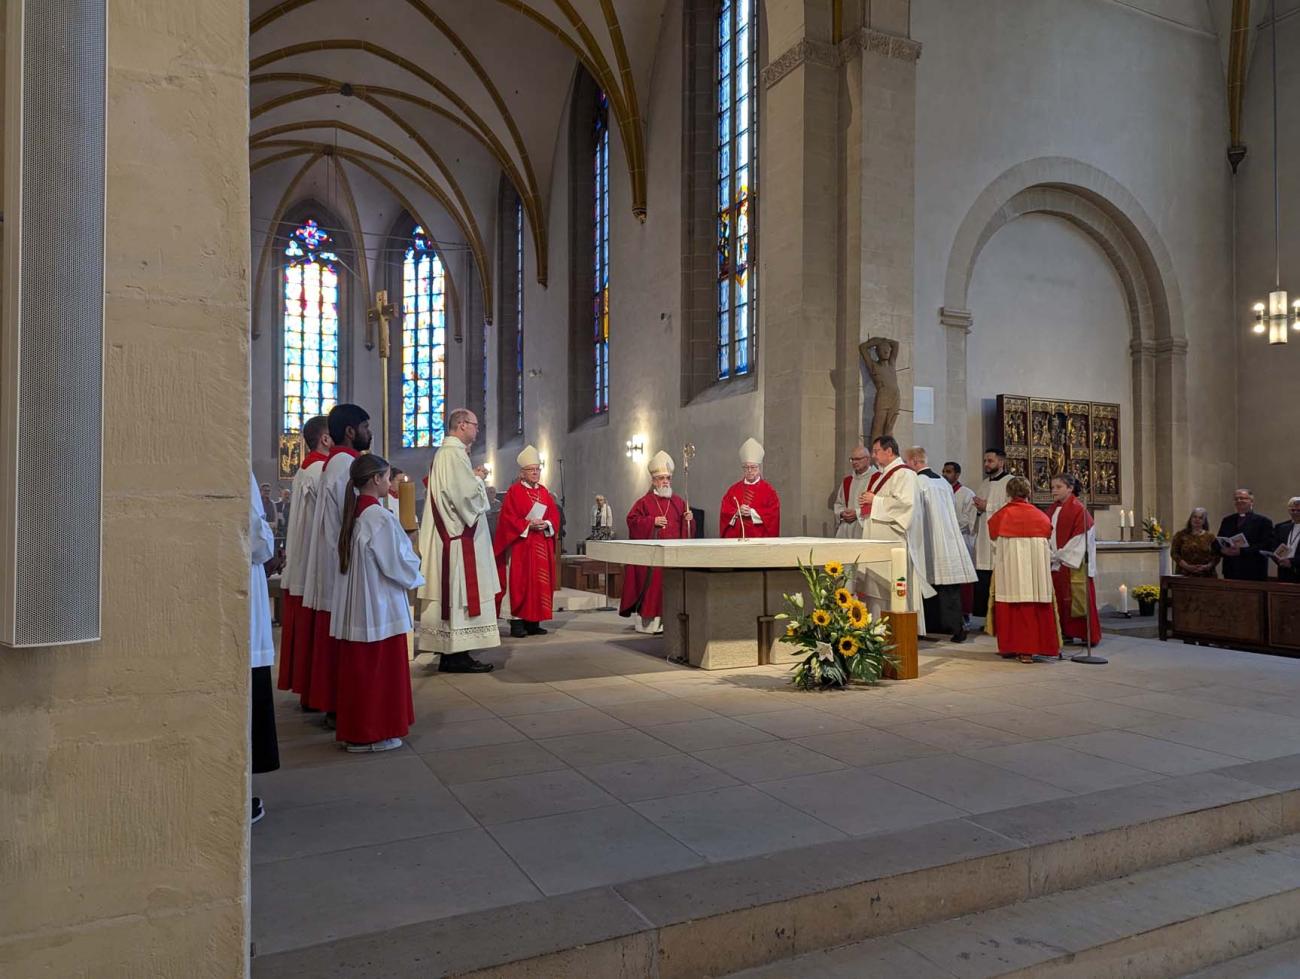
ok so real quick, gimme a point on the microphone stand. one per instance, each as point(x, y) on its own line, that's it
point(1087, 657)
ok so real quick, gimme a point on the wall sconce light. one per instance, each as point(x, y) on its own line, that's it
point(487, 470)
point(541, 456)
point(635, 448)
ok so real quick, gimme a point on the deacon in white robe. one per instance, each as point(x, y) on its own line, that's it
point(846, 508)
point(989, 499)
point(963, 498)
point(460, 573)
point(948, 564)
point(893, 514)
point(298, 618)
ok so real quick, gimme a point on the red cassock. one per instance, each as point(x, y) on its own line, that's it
point(1023, 627)
point(762, 499)
point(1074, 521)
point(374, 696)
point(524, 564)
point(643, 588)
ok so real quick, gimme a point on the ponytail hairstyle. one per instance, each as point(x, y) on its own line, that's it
point(364, 469)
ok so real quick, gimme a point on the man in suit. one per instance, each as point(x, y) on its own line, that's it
point(1248, 563)
point(1287, 534)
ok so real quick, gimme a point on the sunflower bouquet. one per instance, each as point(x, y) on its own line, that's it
point(842, 640)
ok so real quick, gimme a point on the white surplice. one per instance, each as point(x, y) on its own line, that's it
point(963, 498)
point(947, 560)
point(852, 529)
point(261, 547)
point(302, 516)
point(895, 516)
point(375, 601)
point(462, 501)
point(322, 588)
point(1072, 554)
point(995, 492)
point(1022, 570)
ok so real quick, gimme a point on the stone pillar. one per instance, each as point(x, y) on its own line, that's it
point(958, 323)
point(124, 762)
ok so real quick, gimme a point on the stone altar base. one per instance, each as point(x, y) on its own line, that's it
point(729, 617)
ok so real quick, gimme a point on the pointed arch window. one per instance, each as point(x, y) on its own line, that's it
point(736, 113)
point(424, 344)
point(310, 369)
point(600, 242)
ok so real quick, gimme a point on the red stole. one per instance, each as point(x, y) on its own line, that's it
point(1073, 521)
point(848, 481)
point(875, 487)
point(466, 539)
point(956, 486)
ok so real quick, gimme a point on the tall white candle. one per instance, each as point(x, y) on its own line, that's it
point(1132, 522)
point(1121, 519)
point(898, 579)
point(1123, 599)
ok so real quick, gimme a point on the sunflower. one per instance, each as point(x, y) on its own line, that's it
point(858, 615)
point(843, 597)
point(789, 629)
point(834, 568)
point(821, 617)
point(848, 646)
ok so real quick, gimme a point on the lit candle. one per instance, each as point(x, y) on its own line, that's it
point(1131, 522)
point(898, 577)
point(1123, 599)
point(1121, 519)
point(406, 505)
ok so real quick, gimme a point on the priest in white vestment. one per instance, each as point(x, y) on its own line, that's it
point(846, 505)
point(989, 499)
point(948, 564)
point(460, 572)
point(892, 514)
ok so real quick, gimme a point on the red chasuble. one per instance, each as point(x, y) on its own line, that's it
point(1069, 583)
point(643, 588)
point(1023, 627)
point(762, 498)
point(524, 563)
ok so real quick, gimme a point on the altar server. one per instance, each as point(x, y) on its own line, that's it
point(891, 512)
point(846, 504)
point(659, 515)
point(392, 501)
point(989, 499)
point(460, 573)
point(948, 565)
point(524, 545)
point(349, 427)
point(1023, 601)
point(1074, 562)
point(750, 508)
point(373, 614)
point(264, 748)
point(296, 618)
point(967, 517)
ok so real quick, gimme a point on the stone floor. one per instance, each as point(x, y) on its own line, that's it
point(586, 759)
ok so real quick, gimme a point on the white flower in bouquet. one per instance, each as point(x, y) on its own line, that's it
point(825, 652)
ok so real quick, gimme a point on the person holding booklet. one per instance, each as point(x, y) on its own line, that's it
point(1245, 540)
point(1286, 536)
point(524, 545)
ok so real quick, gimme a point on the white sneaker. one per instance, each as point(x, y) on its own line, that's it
point(388, 744)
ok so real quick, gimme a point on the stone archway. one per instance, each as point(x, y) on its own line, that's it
point(1107, 213)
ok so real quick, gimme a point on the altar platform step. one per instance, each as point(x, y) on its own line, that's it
point(576, 600)
point(1227, 910)
point(1214, 851)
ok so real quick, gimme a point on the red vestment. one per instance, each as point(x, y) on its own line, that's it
point(524, 563)
point(762, 498)
point(1074, 521)
point(1023, 628)
point(643, 588)
point(374, 696)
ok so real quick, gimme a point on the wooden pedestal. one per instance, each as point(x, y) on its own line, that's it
point(902, 628)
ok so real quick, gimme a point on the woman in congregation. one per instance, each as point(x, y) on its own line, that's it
point(1074, 562)
point(1023, 615)
point(373, 616)
point(1193, 547)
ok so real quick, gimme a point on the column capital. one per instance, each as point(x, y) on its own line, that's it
point(878, 42)
point(958, 319)
point(813, 52)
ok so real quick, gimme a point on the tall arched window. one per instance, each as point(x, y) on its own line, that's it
point(424, 344)
point(519, 317)
point(736, 37)
point(311, 326)
point(600, 242)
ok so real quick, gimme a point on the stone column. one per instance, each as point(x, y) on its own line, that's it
point(958, 322)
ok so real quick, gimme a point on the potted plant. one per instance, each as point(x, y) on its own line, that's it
point(1146, 596)
point(842, 640)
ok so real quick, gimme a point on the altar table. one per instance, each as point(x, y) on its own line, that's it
point(721, 596)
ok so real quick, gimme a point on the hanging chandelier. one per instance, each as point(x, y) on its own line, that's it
point(1275, 317)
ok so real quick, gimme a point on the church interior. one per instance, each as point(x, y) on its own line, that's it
point(610, 229)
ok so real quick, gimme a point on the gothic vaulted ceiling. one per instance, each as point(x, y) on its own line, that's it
point(428, 102)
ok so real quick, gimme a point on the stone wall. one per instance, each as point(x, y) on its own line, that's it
point(123, 766)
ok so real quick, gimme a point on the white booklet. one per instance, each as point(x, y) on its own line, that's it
point(1284, 552)
point(538, 512)
point(1236, 540)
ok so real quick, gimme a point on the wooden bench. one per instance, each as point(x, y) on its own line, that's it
point(1254, 615)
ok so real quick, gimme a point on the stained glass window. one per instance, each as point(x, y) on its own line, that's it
point(311, 326)
point(519, 317)
point(736, 124)
point(424, 344)
point(600, 239)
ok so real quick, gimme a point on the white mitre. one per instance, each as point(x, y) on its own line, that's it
point(751, 453)
point(661, 464)
point(529, 457)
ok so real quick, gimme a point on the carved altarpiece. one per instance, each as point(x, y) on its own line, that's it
point(1043, 437)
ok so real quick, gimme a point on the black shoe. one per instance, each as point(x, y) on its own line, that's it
point(517, 629)
point(259, 810)
point(959, 635)
point(462, 663)
point(535, 629)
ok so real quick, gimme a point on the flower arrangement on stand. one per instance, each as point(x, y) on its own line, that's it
point(1152, 530)
point(842, 640)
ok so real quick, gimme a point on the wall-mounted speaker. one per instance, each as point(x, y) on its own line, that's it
point(52, 330)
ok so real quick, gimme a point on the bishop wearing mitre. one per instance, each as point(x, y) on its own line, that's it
point(892, 512)
point(751, 508)
point(845, 504)
point(659, 515)
point(460, 573)
point(525, 549)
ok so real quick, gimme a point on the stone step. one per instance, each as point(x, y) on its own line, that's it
point(716, 919)
point(1153, 924)
point(1275, 962)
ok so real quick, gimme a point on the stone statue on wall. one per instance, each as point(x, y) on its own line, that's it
point(880, 354)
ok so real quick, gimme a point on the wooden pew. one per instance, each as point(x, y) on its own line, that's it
point(1254, 615)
